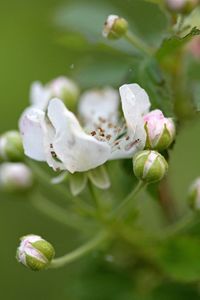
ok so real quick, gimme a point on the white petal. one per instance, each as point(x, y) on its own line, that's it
point(77, 150)
point(135, 103)
point(109, 24)
point(95, 104)
point(39, 95)
point(49, 135)
point(135, 143)
point(32, 133)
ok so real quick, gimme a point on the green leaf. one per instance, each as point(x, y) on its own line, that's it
point(149, 75)
point(191, 21)
point(180, 258)
point(99, 177)
point(77, 183)
point(171, 45)
point(174, 291)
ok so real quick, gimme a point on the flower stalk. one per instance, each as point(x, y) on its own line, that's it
point(83, 250)
point(121, 209)
point(138, 43)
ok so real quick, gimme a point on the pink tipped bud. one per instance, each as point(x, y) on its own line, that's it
point(181, 6)
point(194, 47)
point(160, 130)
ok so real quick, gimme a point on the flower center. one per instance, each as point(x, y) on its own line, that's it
point(116, 135)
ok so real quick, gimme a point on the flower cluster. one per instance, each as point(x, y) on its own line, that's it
point(52, 133)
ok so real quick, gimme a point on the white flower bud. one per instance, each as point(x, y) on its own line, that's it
point(149, 166)
point(15, 177)
point(160, 130)
point(64, 89)
point(115, 27)
point(194, 194)
point(181, 6)
point(11, 148)
point(34, 252)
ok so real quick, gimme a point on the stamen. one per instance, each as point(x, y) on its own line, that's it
point(93, 133)
point(53, 154)
point(129, 146)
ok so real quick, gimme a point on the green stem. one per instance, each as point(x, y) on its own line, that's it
point(118, 212)
point(96, 199)
point(79, 252)
point(138, 43)
point(56, 212)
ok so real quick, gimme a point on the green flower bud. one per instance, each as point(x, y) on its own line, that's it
point(181, 6)
point(34, 252)
point(194, 195)
point(160, 130)
point(11, 148)
point(149, 166)
point(64, 89)
point(115, 27)
point(15, 177)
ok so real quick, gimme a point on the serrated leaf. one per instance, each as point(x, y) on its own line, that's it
point(191, 21)
point(171, 45)
point(99, 177)
point(149, 75)
point(77, 183)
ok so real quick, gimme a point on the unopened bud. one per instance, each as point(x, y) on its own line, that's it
point(15, 177)
point(193, 47)
point(115, 27)
point(11, 148)
point(194, 195)
point(160, 130)
point(34, 252)
point(181, 6)
point(64, 89)
point(149, 166)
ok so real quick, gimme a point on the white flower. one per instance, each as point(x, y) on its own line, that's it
point(56, 136)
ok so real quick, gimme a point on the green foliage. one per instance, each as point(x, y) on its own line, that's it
point(149, 75)
point(173, 44)
point(180, 258)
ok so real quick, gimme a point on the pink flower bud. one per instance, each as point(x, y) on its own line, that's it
point(160, 130)
point(15, 177)
point(194, 47)
point(181, 6)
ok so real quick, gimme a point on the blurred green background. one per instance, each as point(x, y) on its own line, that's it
point(35, 46)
